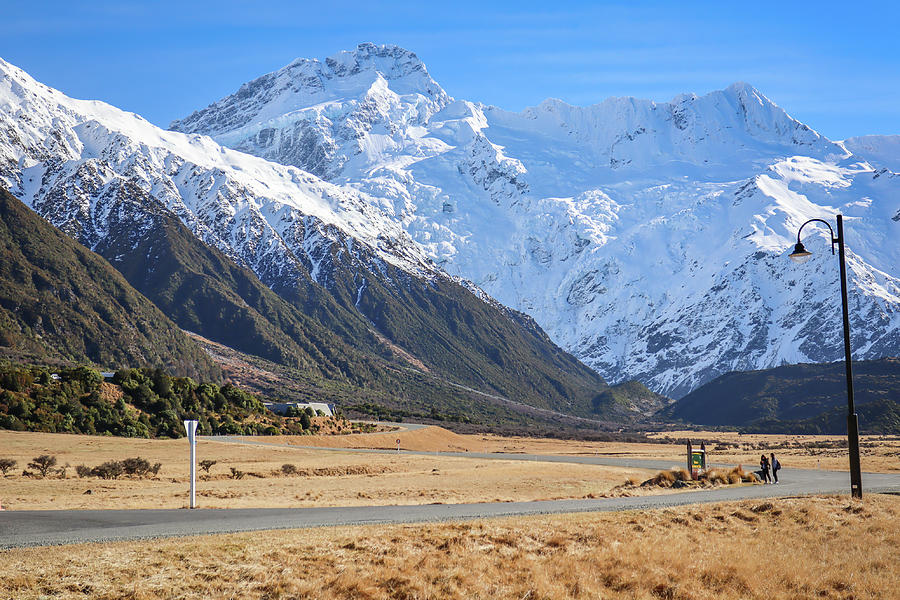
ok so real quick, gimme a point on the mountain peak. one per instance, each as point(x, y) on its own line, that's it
point(308, 81)
point(391, 61)
point(743, 88)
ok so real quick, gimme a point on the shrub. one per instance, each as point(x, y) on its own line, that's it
point(235, 474)
point(207, 464)
point(42, 464)
point(83, 471)
point(289, 469)
point(136, 466)
point(154, 470)
point(111, 469)
point(305, 422)
point(6, 464)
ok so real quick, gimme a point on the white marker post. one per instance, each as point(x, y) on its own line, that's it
point(191, 428)
point(398, 445)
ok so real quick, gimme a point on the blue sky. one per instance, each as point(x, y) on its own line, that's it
point(834, 66)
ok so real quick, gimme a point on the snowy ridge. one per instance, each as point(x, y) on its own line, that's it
point(648, 239)
point(355, 107)
point(880, 150)
point(76, 162)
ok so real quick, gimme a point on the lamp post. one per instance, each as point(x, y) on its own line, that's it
point(801, 255)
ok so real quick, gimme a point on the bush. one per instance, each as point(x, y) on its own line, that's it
point(206, 465)
point(111, 469)
point(42, 464)
point(6, 464)
point(136, 466)
point(114, 469)
point(235, 474)
point(289, 469)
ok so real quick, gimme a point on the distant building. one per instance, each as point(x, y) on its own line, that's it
point(281, 408)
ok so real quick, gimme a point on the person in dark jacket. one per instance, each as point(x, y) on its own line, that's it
point(776, 466)
point(764, 469)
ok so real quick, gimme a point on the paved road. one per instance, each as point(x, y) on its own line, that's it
point(36, 528)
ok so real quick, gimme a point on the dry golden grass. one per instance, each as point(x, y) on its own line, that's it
point(325, 478)
point(828, 548)
point(339, 478)
point(880, 454)
point(428, 439)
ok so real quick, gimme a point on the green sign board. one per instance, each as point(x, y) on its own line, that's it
point(698, 462)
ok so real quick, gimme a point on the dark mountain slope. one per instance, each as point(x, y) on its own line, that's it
point(60, 301)
point(461, 337)
point(806, 398)
point(206, 292)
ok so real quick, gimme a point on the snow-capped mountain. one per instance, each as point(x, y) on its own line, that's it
point(355, 295)
point(353, 110)
point(69, 159)
point(648, 239)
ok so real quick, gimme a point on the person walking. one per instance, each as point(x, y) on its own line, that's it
point(776, 466)
point(764, 467)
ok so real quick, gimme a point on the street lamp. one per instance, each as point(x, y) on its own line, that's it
point(801, 255)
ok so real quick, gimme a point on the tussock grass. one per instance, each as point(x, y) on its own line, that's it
point(672, 477)
point(702, 552)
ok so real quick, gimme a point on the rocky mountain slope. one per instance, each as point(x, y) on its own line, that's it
point(61, 302)
point(648, 239)
point(194, 224)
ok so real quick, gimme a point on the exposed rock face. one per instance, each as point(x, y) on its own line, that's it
point(649, 239)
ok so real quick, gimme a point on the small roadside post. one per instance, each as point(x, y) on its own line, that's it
point(398, 445)
point(191, 428)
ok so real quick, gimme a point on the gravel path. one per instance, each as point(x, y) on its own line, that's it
point(48, 527)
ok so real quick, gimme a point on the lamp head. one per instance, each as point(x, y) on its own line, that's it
point(799, 255)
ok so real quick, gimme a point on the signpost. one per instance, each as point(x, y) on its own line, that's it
point(398, 445)
point(696, 460)
point(191, 428)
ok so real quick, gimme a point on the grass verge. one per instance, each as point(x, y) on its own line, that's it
point(820, 547)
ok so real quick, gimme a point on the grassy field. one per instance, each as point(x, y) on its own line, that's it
point(349, 478)
point(323, 478)
point(880, 454)
point(827, 547)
